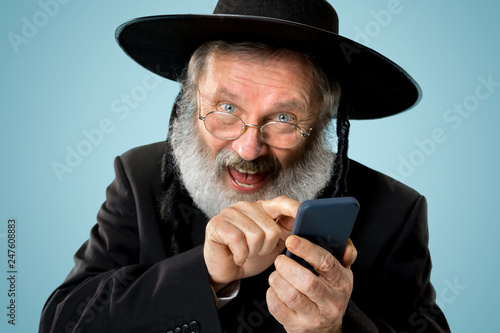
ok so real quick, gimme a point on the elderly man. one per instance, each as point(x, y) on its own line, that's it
point(190, 236)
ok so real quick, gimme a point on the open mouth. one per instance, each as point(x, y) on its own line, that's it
point(246, 180)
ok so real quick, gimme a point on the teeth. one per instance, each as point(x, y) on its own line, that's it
point(250, 172)
point(243, 185)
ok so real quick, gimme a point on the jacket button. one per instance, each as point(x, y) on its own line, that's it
point(194, 327)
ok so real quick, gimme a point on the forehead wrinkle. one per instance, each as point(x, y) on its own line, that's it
point(284, 103)
point(292, 102)
point(302, 98)
point(239, 88)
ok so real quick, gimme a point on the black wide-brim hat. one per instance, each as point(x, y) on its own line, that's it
point(372, 85)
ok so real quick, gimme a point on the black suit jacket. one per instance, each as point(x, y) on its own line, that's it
point(123, 280)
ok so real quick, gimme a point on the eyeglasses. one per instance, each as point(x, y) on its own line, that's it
point(227, 126)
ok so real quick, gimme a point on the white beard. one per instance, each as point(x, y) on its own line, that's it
point(205, 178)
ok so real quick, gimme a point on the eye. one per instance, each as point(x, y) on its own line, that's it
point(284, 118)
point(230, 108)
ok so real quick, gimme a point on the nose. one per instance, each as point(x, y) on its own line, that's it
point(250, 145)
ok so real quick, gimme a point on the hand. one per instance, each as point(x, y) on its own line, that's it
point(304, 302)
point(243, 240)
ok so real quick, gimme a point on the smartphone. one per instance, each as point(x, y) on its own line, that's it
point(326, 222)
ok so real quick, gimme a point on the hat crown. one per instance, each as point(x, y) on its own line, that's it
point(316, 13)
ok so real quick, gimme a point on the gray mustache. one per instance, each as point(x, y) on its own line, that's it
point(227, 158)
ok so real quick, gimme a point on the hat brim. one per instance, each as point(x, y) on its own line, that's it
point(372, 85)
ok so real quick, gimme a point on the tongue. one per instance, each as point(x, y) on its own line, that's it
point(245, 178)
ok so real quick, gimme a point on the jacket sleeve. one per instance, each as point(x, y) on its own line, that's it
point(404, 299)
point(111, 289)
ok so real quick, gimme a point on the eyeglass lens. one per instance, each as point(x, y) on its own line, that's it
point(229, 127)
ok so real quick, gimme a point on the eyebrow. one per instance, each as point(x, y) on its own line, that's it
point(288, 104)
point(225, 93)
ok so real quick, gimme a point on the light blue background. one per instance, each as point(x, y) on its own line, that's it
point(66, 77)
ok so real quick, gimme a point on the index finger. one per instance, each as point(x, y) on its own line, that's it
point(320, 259)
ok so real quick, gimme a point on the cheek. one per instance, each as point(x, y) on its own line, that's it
point(285, 156)
point(213, 144)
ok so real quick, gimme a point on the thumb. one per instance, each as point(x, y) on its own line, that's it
point(350, 254)
point(286, 225)
point(283, 210)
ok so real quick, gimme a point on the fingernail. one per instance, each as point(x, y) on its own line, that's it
point(293, 243)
